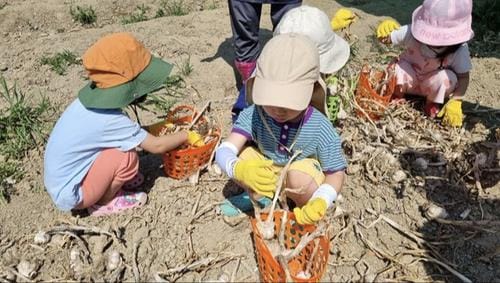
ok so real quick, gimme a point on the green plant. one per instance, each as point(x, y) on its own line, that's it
point(185, 66)
point(139, 15)
point(59, 62)
point(486, 26)
point(84, 15)
point(211, 5)
point(171, 8)
point(23, 127)
point(2, 5)
point(10, 173)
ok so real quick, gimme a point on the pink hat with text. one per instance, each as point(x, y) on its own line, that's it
point(443, 22)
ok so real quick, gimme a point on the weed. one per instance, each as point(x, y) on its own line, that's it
point(212, 5)
point(83, 15)
point(139, 15)
point(2, 5)
point(10, 173)
point(163, 101)
point(23, 127)
point(59, 62)
point(171, 8)
point(486, 26)
point(185, 66)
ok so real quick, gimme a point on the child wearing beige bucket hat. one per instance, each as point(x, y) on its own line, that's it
point(90, 159)
point(436, 62)
point(287, 115)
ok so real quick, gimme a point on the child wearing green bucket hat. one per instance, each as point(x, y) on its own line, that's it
point(90, 159)
point(287, 115)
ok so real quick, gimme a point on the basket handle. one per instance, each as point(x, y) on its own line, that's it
point(173, 112)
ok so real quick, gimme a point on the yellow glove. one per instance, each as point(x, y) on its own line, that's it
point(257, 174)
point(452, 113)
point(311, 212)
point(385, 28)
point(342, 18)
point(195, 139)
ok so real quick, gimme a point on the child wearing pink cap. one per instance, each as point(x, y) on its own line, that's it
point(436, 62)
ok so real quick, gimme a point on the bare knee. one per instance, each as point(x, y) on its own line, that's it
point(302, 186)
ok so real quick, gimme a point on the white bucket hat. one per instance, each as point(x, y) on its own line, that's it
point(314, 23)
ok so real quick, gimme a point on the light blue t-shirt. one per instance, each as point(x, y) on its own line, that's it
point(78, 137)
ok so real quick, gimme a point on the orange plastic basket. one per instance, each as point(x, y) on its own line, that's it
point(367, 97)
point(183, 162)
point(269, 267)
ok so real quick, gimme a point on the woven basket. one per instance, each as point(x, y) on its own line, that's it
point(183, 162)
point(269, 267)
point(367, 97)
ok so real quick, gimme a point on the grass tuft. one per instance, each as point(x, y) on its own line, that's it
point(139, 15)
point(185, 67)
point(171, 8)
point(83, 14)
point(59, 62)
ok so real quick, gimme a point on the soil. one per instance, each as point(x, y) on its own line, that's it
point(398, 165)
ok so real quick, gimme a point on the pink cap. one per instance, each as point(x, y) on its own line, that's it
point(443, 22)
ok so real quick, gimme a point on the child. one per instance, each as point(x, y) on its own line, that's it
point(436, 62)
point(310, 21)
point(281, 121)
point(90, 159)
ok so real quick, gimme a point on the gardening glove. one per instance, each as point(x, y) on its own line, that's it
point(257, 174)
point(311, 212)
point(452, 113)
point(195, 139)
point(385, 28)
point(342, 19)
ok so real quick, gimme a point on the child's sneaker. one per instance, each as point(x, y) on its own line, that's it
point(134, 183)
point(123, 200)
point(237, 204)
point(431, 109)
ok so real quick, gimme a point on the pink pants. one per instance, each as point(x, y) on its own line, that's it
point(435, 85)
point(108, 173)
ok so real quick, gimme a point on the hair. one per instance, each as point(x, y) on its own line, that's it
point(139, 100)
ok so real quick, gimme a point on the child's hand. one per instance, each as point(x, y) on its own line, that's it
point(385, 28)
point(257, 174)
point(311, 212)
point(452, 113)
point(342, 19)
point(195, 139)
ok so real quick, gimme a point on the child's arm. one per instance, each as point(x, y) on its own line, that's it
point(162, 144)
point(321, 200)
point(254, 173)
point(462, 85)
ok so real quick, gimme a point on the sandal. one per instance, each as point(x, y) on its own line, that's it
point(123, 200)
point(134, 183)
point(237, 204)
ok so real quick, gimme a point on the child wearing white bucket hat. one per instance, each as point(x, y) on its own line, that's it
point(436, 62)
point(310, 21)
point(287, 115)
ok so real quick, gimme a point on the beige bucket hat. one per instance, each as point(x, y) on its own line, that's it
point(287, 75)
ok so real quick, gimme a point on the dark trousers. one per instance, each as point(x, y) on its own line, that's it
point(245, 23)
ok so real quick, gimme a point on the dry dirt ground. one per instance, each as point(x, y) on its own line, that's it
point(398, 166)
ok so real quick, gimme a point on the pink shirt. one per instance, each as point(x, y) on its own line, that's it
point(423, 60)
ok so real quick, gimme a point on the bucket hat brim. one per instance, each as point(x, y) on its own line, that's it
point(336, 57)
point(272, 94)
point(149, 80)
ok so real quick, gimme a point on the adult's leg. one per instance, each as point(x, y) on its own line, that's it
point(245, 24)
point(110, 171)
point(278, 10)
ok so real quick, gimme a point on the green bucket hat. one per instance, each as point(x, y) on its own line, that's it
point(121, 70)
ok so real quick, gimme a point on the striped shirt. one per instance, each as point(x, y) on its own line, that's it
point(316, 138)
